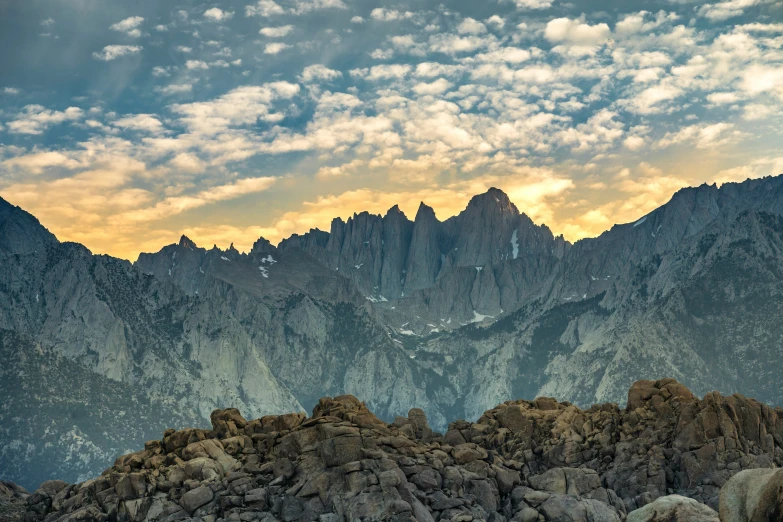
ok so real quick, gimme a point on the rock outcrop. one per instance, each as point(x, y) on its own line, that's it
point(531, 461)
point(13, 501)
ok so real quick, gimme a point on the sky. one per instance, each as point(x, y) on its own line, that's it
point(126, 124)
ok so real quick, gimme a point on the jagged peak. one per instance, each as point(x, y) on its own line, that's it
point(425, 212)
point(395, 211)
point(262, 246)
point(186, 242)
point(337, 223)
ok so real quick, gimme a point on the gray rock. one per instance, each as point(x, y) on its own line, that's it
point(674, 508)
point(195, 498)
point(754, 494)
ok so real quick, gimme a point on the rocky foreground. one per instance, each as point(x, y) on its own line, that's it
point(522, 461)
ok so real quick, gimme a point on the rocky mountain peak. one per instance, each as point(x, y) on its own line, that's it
point(186, 242)
point(395, 212)
point(425, 213)
point(492, 200)
point(263, 246)
point(21, 232)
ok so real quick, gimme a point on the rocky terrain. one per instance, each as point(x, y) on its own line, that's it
point(13, 502)
point(451, 317)
point(528, 461)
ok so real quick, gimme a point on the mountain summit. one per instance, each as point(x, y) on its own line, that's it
point(449, 316)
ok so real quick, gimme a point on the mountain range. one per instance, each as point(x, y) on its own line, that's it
point(452, 317)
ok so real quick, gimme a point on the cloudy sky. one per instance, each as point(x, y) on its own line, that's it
point(125, 124)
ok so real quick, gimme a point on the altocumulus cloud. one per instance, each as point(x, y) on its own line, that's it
point(112, 52)
point(129, 26)
point(586, 115)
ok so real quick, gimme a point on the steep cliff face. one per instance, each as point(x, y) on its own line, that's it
point(428, 265)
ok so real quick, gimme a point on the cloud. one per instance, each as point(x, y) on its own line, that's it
point(703, 136)
point(760, 111)
point(636, 23)
point(504, 55)
point(276, 32)
point(172, 89)
point(634, 142)
point(216, 14)
point(239, 107)
point(383, 72)
point(762, 28)
point(722, 11)
point(305, 6)
point(433, 69)
point(576, 32)
point(187, 162)
point(129, 26)
point(533, 4)
point(275, 48)
point(172, 206)
point(184, 49)
point(758, 168)
point(471, 26)
point(600, 131)
point(723, 98)
point(759, 79)
point(453, 44)
point(35, 119)
point(112, 52)
point(264, 8)
point(453, 98)
point(48, 22)
point(635, 193)
point(38, 162)
point(389, 15)
point(650, 100)
point(11, 91)
point(319, 72)
point(196, 65)
point(437, 87)
point(496, 21)
point(140, 122)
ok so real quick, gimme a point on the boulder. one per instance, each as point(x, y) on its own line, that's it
point(673, 508)
point(418, 420)
point(195, 498)
point(227, 423)
point(754, 495)
point(212, 449)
